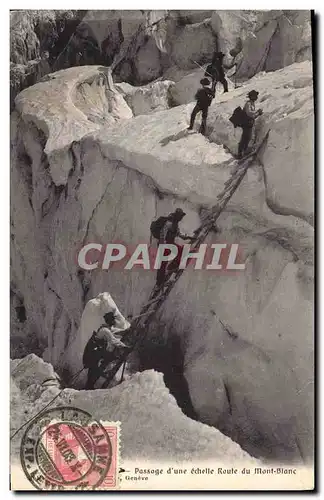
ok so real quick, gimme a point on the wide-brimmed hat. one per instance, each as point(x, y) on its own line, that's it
point(205, 81)
point(253, 93)
point(179, 211)
point(109, 316)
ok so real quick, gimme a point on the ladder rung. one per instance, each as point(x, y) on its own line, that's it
point(142, 314)
point(152, 301)
point(207, 223)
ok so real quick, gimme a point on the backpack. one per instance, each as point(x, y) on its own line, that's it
point(93, 350)
point(157, 226)
point(204, 97)
point(238, 117)
point(212, 72)
point(215, 71)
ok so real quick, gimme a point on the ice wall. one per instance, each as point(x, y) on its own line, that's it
point(243, 336)
point(145, 44)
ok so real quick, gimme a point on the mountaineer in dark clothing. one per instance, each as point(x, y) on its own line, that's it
point(166, 230)
point(250, 114)
point(216, 72)
point(204, 97)
point(102, 348)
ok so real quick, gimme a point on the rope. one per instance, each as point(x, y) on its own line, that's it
point(45, 407)
point(110, 375)
point(159, 294)
point(166, 288)
point(122, 375)
point(263, 60)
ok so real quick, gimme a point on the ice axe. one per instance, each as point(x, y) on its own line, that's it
point(206, 72)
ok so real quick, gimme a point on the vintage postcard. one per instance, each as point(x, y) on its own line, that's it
point(162, 250)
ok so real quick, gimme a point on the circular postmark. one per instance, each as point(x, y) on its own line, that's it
point(65, 448)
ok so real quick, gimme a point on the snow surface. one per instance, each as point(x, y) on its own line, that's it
point(149, 98)
point(152, 425)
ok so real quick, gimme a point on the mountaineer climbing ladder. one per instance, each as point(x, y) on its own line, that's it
point(138, 330)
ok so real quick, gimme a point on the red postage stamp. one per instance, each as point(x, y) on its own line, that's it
point(69, 450)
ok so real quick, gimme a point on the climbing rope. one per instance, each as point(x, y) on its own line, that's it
point(139, 328)
point(159, 294)
point(45, 407)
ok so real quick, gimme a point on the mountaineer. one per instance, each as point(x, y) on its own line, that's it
point(204, 97)
point(166, 230)
point(102, 348)
point(249, 116)
point(215, 70)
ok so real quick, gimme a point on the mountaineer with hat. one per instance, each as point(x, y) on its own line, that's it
point(103, 347)
point(204, 97)
point(216, 72)
point(249, 115)
point(166, 230)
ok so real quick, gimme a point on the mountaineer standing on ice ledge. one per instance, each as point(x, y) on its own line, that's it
point(204, 97)
point(215, 70)
point(250, 116)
